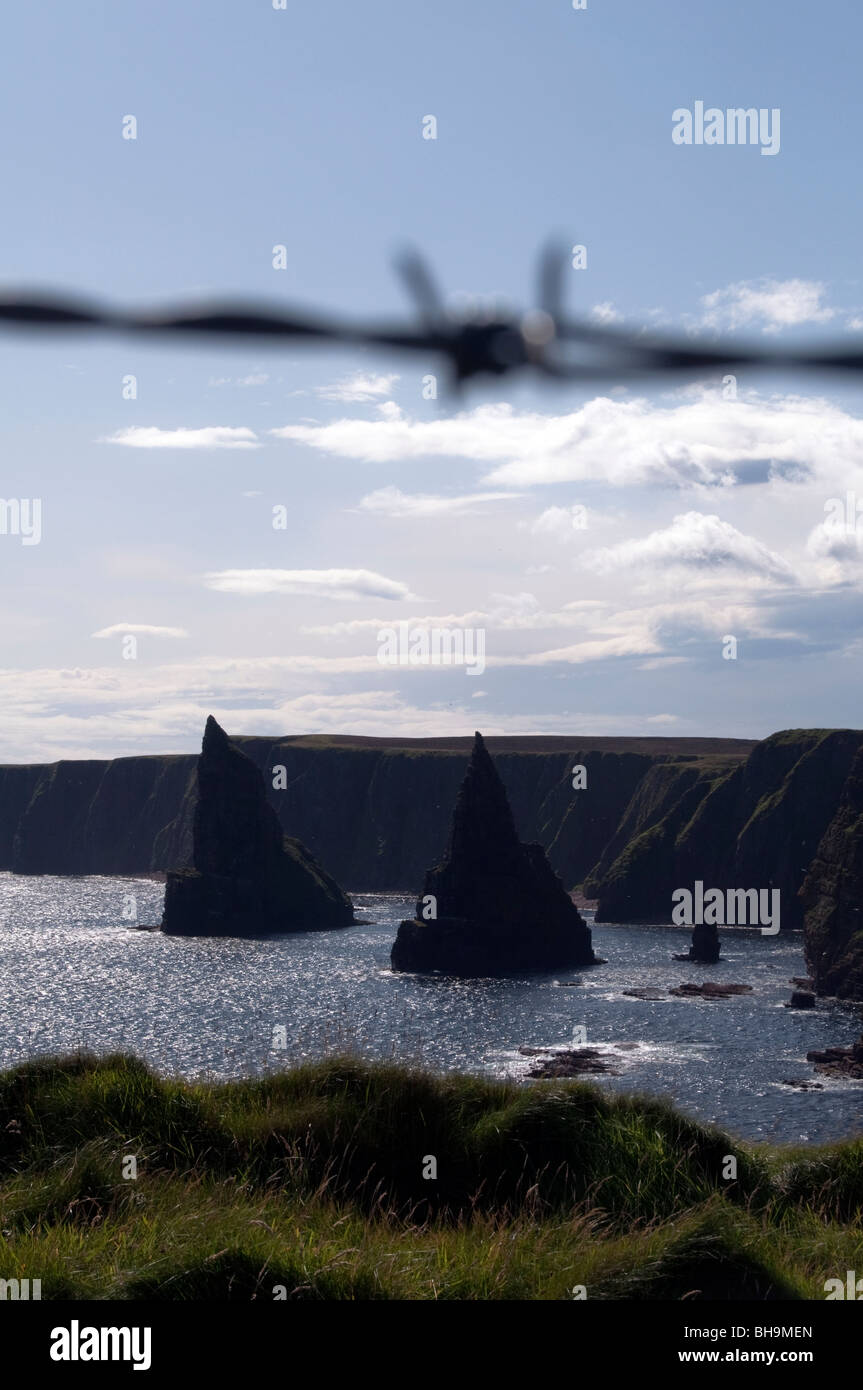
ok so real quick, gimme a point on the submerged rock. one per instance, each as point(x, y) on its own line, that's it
point(248, 878)
point(493, 906)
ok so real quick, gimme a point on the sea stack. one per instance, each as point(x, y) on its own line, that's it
point(705, 944)
point(493, 906)
point(248, 877)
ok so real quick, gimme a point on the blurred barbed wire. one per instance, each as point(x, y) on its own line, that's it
point(545, 339)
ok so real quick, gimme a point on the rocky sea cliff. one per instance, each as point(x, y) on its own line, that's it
point(642, 818)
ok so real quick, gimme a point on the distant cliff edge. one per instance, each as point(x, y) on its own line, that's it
point(375, 812)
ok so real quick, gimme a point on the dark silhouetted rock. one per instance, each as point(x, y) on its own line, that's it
point(840, 1061)
point(753, 825)
point(801, 999)
point(705, 944)
point(248, 878)
point(832, 896)
point(579, 1061)
point(710, 989)
point(493, 906)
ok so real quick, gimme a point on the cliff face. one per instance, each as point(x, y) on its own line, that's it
point(95, 817)
point(635, 875)
point(756, 825)
point(832, 896)
point(374, 812)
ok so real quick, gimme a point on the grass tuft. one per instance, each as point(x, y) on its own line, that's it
point(310, 1185)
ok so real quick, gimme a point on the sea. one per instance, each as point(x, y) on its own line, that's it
point(78, 971)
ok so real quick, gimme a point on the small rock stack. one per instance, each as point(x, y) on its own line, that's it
point(705, 944)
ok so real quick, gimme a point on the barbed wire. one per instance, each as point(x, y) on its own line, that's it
point(544, 339)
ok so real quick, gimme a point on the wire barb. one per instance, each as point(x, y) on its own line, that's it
point(544, 340)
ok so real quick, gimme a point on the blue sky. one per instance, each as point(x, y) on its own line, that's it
point(703, 517)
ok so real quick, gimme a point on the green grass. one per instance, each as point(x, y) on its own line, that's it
point(311, 1181)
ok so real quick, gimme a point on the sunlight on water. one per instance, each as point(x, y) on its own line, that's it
point(76, 974)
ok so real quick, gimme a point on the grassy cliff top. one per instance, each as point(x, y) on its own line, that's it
point(528, 743)
point(726, 749)
point(316, 1181)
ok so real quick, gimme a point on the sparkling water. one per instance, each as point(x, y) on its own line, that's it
point(76, 974)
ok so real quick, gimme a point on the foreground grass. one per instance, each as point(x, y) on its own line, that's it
point(310, 1184)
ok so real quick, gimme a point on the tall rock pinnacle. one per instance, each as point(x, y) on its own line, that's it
point(248, 878)
point(493, 906)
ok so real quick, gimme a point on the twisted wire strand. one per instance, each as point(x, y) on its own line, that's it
point(497, 346)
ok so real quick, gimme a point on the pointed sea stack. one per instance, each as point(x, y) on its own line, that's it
point(248, 878)
point(500, 907)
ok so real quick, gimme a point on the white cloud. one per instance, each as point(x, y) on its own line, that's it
point(362, 386)
point(704, 442)
point(658, 663)
point(352, 627)
point(605, 313)
point(390, 501)
point(560, 522)
point(836, 546)
point(506, 613)
point(662, 718)
point(694, 540)
point(139, 629)
point(209, 437)
point(116, 711)
point(331, 583)
point(772, 304)
point(827, 541)
point(640, 641)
